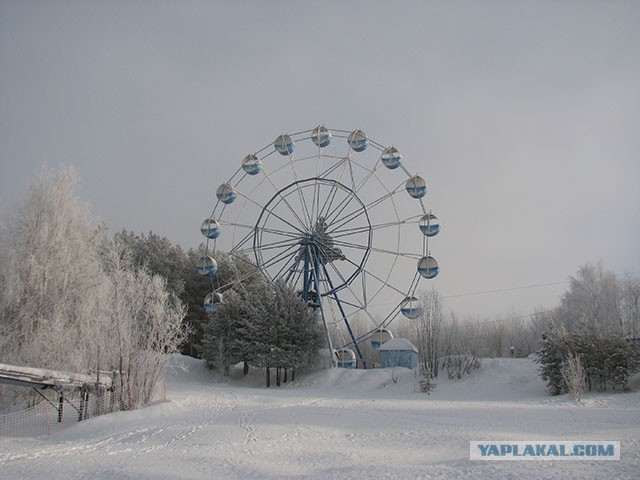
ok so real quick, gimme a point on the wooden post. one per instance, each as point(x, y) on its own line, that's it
point(268, 377)
point(60, 405)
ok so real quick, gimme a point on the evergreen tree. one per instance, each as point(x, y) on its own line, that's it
point(282, 331)
point(222, 344)
point(608, 361)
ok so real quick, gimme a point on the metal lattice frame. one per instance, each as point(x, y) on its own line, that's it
point(345, 224)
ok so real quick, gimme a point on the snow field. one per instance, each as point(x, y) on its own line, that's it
point(335, 424)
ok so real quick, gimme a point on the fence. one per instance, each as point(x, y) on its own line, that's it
point(57, 412)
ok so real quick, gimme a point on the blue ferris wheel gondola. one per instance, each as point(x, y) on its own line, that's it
point(391, 158)
point(210, 228)
point(207, 266)
point(252, 164)
point(429, 225)
point(411, 308)
point(346, 358)
point(428, 267)
point(213, 301)
point(284, 144)
point(358, 141)
point(380, 336)
point(416, 187)
point(321, 136)
point(226, 193)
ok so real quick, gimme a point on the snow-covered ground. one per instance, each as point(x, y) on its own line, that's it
point(335, 424)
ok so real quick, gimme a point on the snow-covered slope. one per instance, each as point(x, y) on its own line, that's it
point(336, 424)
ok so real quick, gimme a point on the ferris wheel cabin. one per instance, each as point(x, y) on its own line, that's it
point(391, 158)
point(411, 308)
point(346, 358)
point(207, 266)
point(429, 225)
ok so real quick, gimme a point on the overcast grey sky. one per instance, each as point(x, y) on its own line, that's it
point(523, 116)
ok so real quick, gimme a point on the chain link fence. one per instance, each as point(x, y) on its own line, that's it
point(57, 411)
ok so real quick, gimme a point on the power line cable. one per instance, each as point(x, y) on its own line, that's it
point(500, 290)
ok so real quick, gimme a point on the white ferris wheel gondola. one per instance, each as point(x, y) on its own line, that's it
point(411, 307)
point(429, 225)
point(416, 187)
point(391, 158)
point(226, 193)
point(210, 228)
point(213, 301)
point(380, 336)
point(284, 145)
point(252, 164)
point(428, 267)
point(358, 141)
point(207, 266)
point(321, 136)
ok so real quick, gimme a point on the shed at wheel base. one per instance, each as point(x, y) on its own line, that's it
point(398, 352)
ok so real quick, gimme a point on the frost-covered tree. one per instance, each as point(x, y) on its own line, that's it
point(70, 299)
point(51, 278)
point(143, 322)
point(574, 376)
point(592, 302)
point(429, 331)
point(631, 305)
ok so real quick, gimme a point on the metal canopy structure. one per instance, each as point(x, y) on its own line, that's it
point(42, 378)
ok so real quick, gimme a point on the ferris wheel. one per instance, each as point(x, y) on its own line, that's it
point(338, 217)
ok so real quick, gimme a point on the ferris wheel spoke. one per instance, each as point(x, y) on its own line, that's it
point(347, 219)
point(330, 197)
point(351, 304)
point(370, 174)
point(347, 232)
point(362, 229)
point(292, 210)
point(273, 231)
point(275, 245)
point(360, 246)
point(238, 246)
point(383, 281)
point(366, 208)
point(333, 168)
point(285, 255)
point(334, 215)
point(381, 200)
point(272, 213)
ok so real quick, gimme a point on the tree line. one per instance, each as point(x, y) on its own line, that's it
point(589, 341)
point(71, 297)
